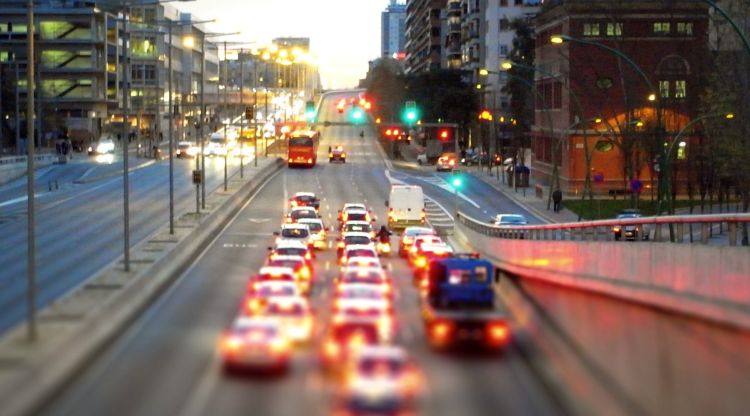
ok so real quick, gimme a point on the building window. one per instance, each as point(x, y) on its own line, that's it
point(504, 24)
point(519, 2)
point(664, 89)
point(685, 28)
point(503, 50)
point(661, 28)
point(614, 29)
point(503, 3)
point(6, 56)
point(680, 88)
point(591, 29)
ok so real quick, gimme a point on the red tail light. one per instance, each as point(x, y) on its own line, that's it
point(497, 333)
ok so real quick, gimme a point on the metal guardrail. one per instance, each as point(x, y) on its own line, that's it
point(658, 229)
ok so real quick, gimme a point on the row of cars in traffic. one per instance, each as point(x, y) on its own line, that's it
point(355, 334)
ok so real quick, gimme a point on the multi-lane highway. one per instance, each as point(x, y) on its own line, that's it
point(79, 227)
point(167, 363)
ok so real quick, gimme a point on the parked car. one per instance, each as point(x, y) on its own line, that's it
point(105, 145)
point(630, 232)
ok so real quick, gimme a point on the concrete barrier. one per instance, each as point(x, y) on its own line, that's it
point(707, 282)
point(32, 373)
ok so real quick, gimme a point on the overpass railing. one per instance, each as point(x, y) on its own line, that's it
point(672, 228)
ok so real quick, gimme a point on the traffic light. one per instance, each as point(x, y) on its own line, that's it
point(444, 134)
point(456, 179)
point(485, 115)
point(356, 115)
point(411, 114)
point(310, 110)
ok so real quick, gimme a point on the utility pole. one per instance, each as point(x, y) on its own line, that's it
point(226, 108)
point(203, 120)
point(126, 138)
point(30, 142)
point(242, 107)
point(171, 131)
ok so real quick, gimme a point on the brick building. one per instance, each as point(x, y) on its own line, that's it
point(580, 82)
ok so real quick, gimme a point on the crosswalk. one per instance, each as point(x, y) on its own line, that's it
point(437, 216)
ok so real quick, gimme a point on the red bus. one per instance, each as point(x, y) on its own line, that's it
point(303, 148)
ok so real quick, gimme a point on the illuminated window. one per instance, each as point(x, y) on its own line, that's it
point(680, 89)
point(6, 56)
point(685, 28)
point(591, 29)
point(661, 28)
point(614, 29)
point(681, 151)
point(664, 89)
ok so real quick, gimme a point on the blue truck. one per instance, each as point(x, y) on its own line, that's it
point(459, 305)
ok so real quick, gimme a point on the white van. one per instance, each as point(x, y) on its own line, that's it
point(405, 206)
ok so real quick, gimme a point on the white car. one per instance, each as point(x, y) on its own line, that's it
point(255, 342)
point(358, 250)
point(317, 232)
point(361, 262)
point(294, 232)
point(293, 314)
point(509, 220)
point(104, 146)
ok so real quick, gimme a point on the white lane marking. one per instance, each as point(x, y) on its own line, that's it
point(441, 207)
point(258, 220)
point(239, 245)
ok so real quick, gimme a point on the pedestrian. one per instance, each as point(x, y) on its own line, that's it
point(557, 199)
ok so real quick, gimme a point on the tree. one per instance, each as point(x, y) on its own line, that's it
point(385, 85)
point(521, 96)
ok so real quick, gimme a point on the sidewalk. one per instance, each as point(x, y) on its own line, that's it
point(525, 197)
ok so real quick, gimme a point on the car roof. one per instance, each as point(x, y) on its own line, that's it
point(382, 351)
point(437, 247)
point(358, 286)
point(418, 230)
point(243, 321)
point(291, 243)
point(353, 205)
point(304, 194)
point(277, 283)
point(296, 225)
point(302, 208)
point(363, 302)
point(310, 220)
point(369, 247)
point(278, 270)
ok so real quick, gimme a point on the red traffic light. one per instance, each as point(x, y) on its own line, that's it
point(444, 134)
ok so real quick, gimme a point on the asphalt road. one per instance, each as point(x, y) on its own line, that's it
point(79, 227)
point(166, 362)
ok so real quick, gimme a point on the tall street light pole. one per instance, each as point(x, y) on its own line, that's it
point(226, 107)
point(242, 107)
point(171, 131)
point(30, 143)
point(125, 139)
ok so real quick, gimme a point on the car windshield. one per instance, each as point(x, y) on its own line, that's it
point(276, 290)
point(285, 309)
point(183, 146)
point(361, 293)
point(304, 213)
point(292, 264)
point(305, 198)
point(295, 233)
point(357, 239)
point(416, 232)
point(512, 219)
point(369, 366)
point(314, 226)
point(623, 216)
point(251, 331)
point(267, 277)
point(356, 216)
point(370, 279)
point(218, 140)
point(367, 331)
point(291, 251)
point(361, 252)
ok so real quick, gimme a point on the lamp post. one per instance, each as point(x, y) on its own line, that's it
point(664, 174)
point(30, 143)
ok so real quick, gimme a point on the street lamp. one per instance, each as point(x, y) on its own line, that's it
point(203, 110)
point(664, 174)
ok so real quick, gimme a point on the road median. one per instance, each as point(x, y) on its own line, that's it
point(77, 327)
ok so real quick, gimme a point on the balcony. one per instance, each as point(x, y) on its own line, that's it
point(454, 28)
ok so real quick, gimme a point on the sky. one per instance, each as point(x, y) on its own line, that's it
point(344, 34)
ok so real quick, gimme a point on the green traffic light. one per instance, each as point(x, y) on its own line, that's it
point(456, 182)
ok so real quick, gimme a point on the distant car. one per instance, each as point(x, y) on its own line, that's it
point(292, 248)
point(304, 199)
point(294, 232)
point(298, 213)
point(256, 343)
point(102, 147)
point(408, 237)
point(337, 154)
point(186, 150)
point(358, 227)
point(447, 162)
point(294, 315)
point(509, 220)
point(351, 206)
point(358, 250)
point(630, 232)
point(353, 237)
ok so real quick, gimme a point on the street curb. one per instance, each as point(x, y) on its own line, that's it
point(83, 179)
point(43, 378)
